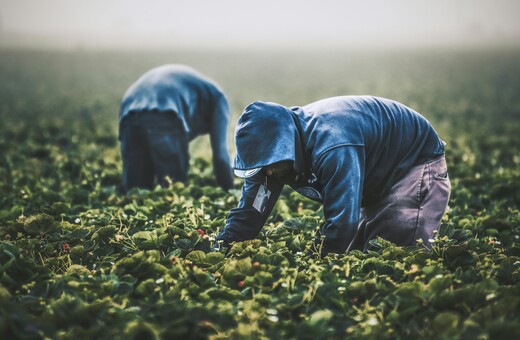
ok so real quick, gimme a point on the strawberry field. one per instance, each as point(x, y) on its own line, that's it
point(81, 260)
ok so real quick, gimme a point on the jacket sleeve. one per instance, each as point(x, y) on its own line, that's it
point(218, 139)
point(245, 221)
point(341, 173)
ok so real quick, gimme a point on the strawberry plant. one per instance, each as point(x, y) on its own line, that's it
point(79, 259)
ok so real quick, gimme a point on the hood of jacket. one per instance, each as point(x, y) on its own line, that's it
point(267, 133)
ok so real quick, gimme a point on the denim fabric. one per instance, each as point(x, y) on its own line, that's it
point(347, 152)
point(154, 146)
point(411, 210)
point(200, 107)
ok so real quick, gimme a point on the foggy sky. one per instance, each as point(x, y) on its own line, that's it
point(340, 23)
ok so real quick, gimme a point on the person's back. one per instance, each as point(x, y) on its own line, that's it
point(394, 137)
point(160, 113)
point(178, 89)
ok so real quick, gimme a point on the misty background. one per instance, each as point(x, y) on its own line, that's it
point(165, 24)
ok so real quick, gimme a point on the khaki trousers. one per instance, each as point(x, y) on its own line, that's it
point(411, 210)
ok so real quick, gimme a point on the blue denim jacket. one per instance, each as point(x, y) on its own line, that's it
point(346, 152)
point(196, 100)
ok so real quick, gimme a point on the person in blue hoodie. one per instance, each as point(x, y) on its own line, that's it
point(377, 167)
point(160, 114)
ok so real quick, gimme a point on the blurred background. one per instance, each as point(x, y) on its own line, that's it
point(160, 24)
point(65, 64)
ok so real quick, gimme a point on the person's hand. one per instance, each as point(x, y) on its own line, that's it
point(221, 246)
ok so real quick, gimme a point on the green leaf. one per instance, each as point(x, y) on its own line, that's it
point(145, 235)
point(78, 234)
point(446, 323)
point(214, 257)
point(39, 224)
point(320, 318)
point(196, 256)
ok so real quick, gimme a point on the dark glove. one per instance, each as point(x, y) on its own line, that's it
point(221, 246)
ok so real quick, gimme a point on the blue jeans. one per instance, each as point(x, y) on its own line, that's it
point(412, 210)
point(154, 146)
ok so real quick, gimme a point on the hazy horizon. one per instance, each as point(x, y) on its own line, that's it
point(237, 23)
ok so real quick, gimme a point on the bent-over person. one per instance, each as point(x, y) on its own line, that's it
point(376, 165)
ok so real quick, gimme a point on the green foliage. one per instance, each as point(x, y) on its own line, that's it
point(78, 259)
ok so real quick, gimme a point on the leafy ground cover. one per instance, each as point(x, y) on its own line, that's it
point(80, 260)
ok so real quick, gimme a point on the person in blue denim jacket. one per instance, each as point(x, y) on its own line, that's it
point(160, 114)
point(377, 167)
